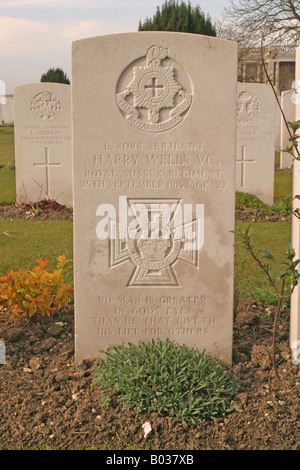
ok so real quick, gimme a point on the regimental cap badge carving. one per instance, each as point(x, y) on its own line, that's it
point(45, 106)
point(153, 99)
point(248, 106)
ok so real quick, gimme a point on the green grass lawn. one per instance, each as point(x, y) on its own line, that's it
point(249, 279)
point(7, 176)
point(22, 242)
point(7, 186)
point(283, 184)
point(7, 146)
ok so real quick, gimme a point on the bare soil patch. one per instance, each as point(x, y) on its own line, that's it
point(43, 210)
point(260, 216)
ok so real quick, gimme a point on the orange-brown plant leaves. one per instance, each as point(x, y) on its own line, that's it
point(36, 292)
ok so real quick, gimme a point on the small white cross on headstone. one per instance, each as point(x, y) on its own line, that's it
point(156, 88)
point(243, 162)
point(47, 166)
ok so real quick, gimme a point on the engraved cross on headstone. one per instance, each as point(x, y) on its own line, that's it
point(154, 86)
point(243, 162)
point(47, 166)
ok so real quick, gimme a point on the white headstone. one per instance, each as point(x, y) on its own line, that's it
point(288, 108)
point(43, 144)
point(295, 300)
point(154, 141)
point(255, 152)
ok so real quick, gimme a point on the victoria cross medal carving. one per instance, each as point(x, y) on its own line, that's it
point(153, 258)
point(153, 99)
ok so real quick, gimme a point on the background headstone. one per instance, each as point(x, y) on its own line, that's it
point(255, 157)
point(288, 108)
point(43, 154)
point(155, 128)
point(295, 300)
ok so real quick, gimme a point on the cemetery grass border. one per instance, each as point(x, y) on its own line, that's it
point(7, 186)
point(22, 242)
point(7, 148)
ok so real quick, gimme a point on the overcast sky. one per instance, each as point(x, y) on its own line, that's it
point(37, 34)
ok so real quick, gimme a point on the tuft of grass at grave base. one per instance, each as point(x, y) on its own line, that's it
point(167, 378)
point(22, 242)
point(247, 201)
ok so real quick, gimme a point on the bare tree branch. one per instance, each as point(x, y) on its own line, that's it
point(246, 21)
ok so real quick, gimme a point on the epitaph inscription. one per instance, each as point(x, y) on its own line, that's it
point(160, 315)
